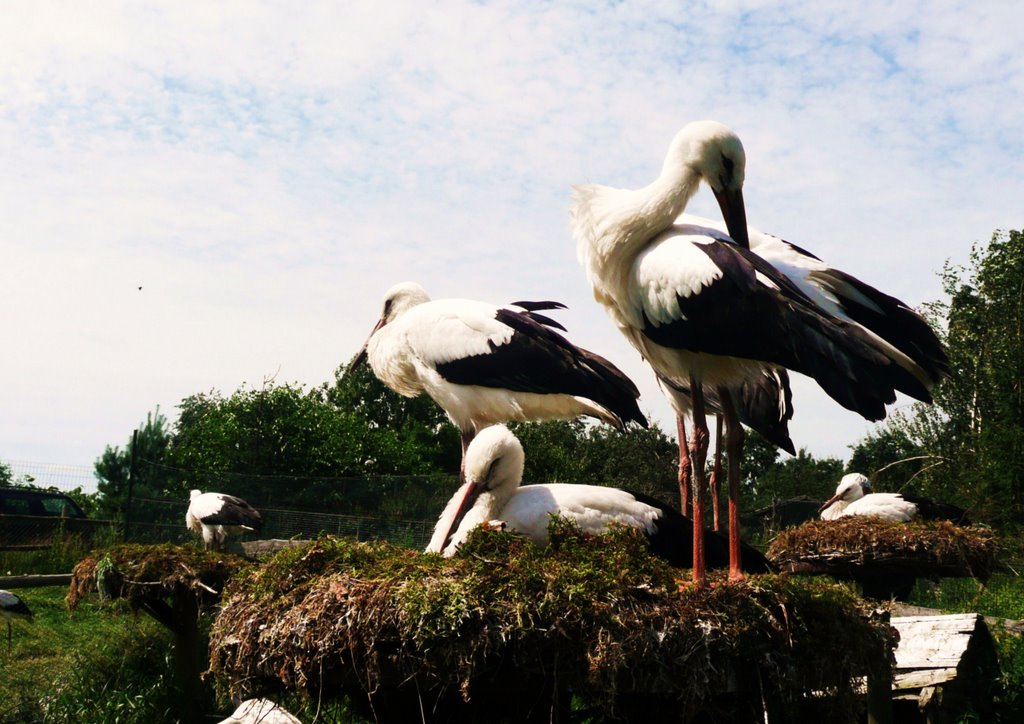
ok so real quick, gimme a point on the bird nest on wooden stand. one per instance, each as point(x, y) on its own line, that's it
point(509, 632)
point(855, 547)
point(153, 577)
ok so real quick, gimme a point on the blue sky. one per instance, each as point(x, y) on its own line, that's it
point(265, 173)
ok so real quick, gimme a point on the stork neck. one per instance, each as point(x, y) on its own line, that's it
point(640, 215)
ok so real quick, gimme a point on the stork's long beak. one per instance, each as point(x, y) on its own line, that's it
point(361, 354)
point(829, 502)
point(473, 491)
point(735, 215)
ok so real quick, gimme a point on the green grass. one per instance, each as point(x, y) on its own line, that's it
point(98, 664)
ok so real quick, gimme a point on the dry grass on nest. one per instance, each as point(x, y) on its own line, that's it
point(505, 629)
point(917, 548)
point(146, 572)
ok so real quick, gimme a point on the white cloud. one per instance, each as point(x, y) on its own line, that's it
point(266, 173)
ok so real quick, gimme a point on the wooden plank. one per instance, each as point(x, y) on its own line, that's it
point(922, 677)
point(39, 581)
point(933, 642)
point(1008, 624)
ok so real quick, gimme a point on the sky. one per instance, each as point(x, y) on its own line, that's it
point(202, 196)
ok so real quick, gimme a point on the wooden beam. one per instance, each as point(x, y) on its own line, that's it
point(37, 581)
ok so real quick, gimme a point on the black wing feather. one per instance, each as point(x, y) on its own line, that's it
point(235, 511)
point(783, 326)
point(538, 359)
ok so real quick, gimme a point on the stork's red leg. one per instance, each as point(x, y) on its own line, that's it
point(684, 466)
point(734, 442)
point(698, 456)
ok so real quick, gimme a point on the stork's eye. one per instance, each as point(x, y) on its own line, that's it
point(727, 162)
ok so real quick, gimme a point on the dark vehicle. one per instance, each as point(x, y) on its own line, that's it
point(31, 518)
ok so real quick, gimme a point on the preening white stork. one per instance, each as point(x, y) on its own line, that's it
point(215, 515)
point(485, 364)
point(705, 311)
point(854, 496)
point(492, 494)
point(12, 607)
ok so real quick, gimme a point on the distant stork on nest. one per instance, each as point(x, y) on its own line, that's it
point(854, 497)
point(492, 495)
point(12, 607)
point(215, 515)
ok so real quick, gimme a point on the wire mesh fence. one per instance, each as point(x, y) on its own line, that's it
point(399, 509)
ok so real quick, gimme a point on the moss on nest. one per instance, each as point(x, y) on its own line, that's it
point(147, 572)
point(917, 548)
point(506, 631)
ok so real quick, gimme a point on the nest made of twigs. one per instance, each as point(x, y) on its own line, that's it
point(504, 629)
point(857, 543)
point(146, 572)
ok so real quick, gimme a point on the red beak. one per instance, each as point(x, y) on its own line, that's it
point(361, 354)
point(468, 498)
point(828, 502)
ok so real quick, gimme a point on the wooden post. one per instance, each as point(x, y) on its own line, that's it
point(131, 483)
point(186, 655)
point(879, 696)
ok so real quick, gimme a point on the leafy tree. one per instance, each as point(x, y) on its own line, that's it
point(416, 421)
point(6, 474)
point(974, 433)
point(889, 458)
point(802, 475)
point(113, 467)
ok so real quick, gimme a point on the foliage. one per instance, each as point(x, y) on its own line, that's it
point(975, 431)
point(574, 451)
point(418, 422)
point(888, 457)
point(113, 468)
point(802, 474)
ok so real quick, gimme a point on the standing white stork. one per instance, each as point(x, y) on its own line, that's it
point(704, 310)
point(485, 364)
point(854, 496)
point(12, 607)
point(492, 494)
point(215, 515)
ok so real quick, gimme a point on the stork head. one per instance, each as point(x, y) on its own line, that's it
point(494, 464)
point(193, 494)
point(495, 460)
point(399, 299)
point(852, 487)
point(711, 151)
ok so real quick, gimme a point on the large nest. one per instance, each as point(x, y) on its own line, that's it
point(146, 573)
point(854, 544)
point(506, 631)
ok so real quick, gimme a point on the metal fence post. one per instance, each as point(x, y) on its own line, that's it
point(131, 484)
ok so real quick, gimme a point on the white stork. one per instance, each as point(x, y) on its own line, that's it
point(492, 494)
point(215, 515)
point(12, 607)
point(485, 364)
point(854, 496)
point(704, 310)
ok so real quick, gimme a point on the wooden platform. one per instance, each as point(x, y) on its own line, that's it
point(944, 664)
